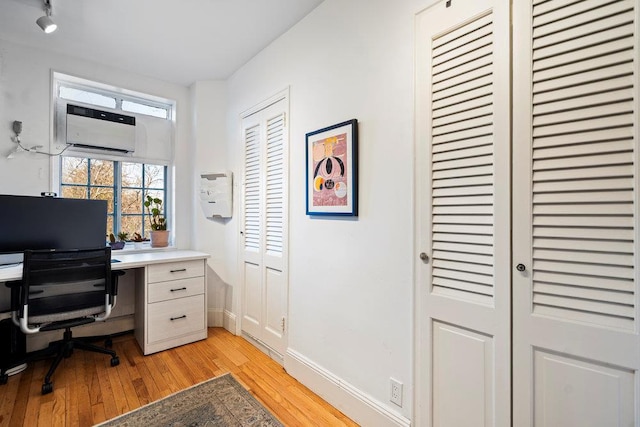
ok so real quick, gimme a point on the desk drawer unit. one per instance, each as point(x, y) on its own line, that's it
point(173, 301)
point(175, 318)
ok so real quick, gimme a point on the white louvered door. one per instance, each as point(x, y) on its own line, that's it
point(463, 208)
point(264, 197)
point(576, 348)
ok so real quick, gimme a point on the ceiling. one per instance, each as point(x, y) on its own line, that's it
point(176, 41)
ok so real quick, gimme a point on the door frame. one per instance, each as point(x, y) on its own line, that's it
point(238, 296)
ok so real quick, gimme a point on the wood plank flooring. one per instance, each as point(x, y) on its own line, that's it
point(87, 390)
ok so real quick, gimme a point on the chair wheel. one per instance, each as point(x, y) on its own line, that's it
point(4, 378)
point(47, 388)
point(115, 361)
point(108, 343)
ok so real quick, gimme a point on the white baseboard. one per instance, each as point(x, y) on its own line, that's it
point(351, 401)
point(229, 321)
point(264, 348)
point(215, 318)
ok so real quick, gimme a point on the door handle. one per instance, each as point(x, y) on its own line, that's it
point(521, 267)
point(424, 257)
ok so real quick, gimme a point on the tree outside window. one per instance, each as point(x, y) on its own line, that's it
point(123, 185)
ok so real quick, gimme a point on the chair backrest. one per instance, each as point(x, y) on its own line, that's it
point(62, 285)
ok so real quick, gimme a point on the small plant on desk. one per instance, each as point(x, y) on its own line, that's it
point(115, 245)
point(159, 233)
point(154, 209)
point(137, 239)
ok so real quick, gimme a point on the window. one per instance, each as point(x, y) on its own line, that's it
point(138, 181)
point(87, 97)
point(122, 179)
point(123, 184)
point(116, 101)
point(149, 110)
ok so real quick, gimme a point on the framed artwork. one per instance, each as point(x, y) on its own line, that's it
point(332, 170)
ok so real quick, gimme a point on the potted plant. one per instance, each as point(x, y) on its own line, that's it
point(137, 240)
point(119, 244)
point(159, 233)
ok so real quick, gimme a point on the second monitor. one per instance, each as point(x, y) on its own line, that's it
point(28, 222)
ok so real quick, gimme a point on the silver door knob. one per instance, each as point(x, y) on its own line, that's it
point(521, 267)
point(424, 257)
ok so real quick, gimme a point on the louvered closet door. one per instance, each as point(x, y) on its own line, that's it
point(264, 295)
point(576, 347)
point(463, 214)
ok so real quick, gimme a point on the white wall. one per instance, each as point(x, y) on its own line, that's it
point(209, 106)
point(351, 289)
point(25, 95)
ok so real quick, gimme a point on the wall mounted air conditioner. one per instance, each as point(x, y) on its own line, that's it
point(90, 128)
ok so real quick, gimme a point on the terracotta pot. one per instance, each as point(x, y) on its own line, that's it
point(159, 239)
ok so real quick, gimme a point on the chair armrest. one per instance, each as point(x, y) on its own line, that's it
point(113, 291)
point(115, 274)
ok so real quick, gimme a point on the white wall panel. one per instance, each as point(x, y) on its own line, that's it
point(463, 372)
point(575, 392)
point(252, 303)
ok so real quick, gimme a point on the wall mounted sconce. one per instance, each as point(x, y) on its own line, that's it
point(45, 22)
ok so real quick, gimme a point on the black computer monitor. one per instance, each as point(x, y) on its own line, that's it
point(28, 222)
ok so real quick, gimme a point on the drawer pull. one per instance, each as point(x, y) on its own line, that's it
point(184, 316)
point(178, 289)
point(178, 271)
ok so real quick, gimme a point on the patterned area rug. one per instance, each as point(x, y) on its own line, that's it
point(221, 401)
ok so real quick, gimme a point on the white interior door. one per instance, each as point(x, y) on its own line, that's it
point(463, 214)
point(576, 351)
point(264, 219)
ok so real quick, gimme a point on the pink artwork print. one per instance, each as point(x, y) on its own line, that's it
point(330, 171)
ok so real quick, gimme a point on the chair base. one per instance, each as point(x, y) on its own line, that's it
point(62, 349)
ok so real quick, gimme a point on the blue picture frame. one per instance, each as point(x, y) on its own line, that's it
point(332, 170)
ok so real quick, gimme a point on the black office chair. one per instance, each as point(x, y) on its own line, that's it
point(60, 290)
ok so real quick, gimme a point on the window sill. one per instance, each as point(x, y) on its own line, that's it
point(139, 247)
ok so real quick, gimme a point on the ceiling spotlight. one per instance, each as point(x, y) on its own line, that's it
point(45, 22)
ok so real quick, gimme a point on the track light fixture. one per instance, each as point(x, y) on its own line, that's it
point(45, 22)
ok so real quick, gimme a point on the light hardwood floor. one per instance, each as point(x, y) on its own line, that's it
point(87, 390)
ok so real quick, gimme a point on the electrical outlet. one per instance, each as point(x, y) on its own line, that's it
point(396, 392)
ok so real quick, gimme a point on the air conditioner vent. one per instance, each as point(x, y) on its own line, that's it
point(97, 129)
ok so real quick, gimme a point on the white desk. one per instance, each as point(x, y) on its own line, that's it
point(170, 295)
point(127, 261)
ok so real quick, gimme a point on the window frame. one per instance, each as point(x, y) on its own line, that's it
point(58, 104)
